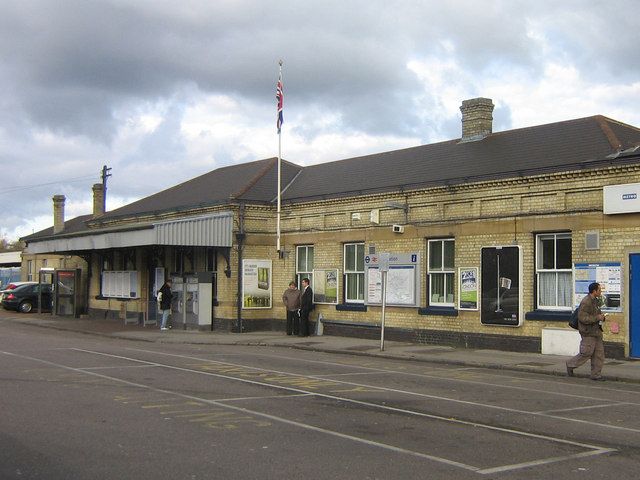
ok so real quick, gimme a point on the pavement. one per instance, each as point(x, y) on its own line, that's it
point(614, 370)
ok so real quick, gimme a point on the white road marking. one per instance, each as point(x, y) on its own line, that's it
point(255, 413)
point(588, 407)
point(593, 448)
point(116, 367)
point(407, 392)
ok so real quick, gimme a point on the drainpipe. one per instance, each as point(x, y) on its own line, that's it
point(240, 236)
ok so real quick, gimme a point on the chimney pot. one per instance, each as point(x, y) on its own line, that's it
point(477, 119)
point(98, 199)
point(58, 213)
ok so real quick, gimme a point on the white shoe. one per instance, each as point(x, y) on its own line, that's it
point(164, 328)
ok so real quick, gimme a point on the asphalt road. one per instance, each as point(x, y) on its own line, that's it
point(76, 406)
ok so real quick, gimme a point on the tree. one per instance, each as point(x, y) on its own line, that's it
point(10, 245)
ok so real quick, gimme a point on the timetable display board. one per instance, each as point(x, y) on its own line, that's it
point(608, 275)
point(403, 279)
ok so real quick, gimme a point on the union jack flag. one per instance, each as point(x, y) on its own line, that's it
point(280, 98)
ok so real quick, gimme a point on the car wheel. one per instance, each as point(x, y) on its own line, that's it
point(25, 307)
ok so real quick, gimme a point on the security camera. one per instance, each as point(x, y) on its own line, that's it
point(398, 229)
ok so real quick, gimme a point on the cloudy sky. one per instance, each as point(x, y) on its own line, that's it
point(162, 91)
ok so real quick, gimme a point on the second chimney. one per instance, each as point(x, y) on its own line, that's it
point(98, 199)
point(477, 119)
point(58, 213)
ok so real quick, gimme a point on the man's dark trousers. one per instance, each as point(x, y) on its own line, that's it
point(293, 322)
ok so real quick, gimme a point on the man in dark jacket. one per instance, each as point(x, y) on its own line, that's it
point(306, 305)
point(164, 299)
point(590, 320)
point(291, 300)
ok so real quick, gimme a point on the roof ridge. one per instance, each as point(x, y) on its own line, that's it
point(608, 132)
point(261, 173)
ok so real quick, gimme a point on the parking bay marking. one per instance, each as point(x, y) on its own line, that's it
point(592, 449)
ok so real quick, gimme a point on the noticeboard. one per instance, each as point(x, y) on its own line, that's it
point(403, 279)
point(608, 275)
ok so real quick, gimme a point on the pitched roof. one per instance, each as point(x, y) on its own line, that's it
point(544, 148)
point(253, 181)
point(567, 145)
point(74, 225)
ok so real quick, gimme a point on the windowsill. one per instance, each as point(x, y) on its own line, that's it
point(351, 307)
point(100, 297)
point(548, 315)
point(442, 311)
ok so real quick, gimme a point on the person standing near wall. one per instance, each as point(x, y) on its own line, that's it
point(590, 320)
point(306, 305)
point(291, 300)
point(164, 299)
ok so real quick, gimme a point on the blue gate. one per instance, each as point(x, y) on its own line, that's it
point(634, 305)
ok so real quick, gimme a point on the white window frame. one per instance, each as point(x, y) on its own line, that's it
point(349, 273)
point(29, 270)
point(307, 270)
point(538, 239)
point(448, 273)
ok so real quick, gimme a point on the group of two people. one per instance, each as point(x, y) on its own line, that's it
point(299, 305)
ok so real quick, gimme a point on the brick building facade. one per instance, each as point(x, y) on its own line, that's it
point(538, 189)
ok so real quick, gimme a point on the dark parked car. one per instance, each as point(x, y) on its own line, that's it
point(25, 298)
point(11, 286)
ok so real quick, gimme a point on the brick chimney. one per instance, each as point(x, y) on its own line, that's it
point(477, 119)
point(58, 213)
point(98, 199)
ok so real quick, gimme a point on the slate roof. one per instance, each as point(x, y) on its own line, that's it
point(526, 151)
point(562, 146)
point(252, 182)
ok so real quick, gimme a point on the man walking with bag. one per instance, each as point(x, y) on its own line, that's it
point(590, 320)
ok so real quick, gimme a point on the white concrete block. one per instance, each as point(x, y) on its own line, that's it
point(560, 341)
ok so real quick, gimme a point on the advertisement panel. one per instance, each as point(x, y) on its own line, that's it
point(256, 284)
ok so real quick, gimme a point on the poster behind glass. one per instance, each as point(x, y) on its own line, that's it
point(500, 286)
point(325, 286)
point(256, 284)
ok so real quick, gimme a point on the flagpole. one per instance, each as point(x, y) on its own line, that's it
point(279, 170)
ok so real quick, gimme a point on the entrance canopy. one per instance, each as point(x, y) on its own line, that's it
point(211, 231)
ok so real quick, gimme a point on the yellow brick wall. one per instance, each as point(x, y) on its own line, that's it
point(486, 214)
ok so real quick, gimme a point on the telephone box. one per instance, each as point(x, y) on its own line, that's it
point(66, 290)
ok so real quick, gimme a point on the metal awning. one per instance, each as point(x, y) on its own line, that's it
point(211, 231)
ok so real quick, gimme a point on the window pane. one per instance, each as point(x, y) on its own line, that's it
point(302, 259)
point(352, 286)
point(547, 289)
point(435, 255)
point(449, 254)
point(360, 257)
point(349, 257)
point(563, 253)
point(310, 259)
point(437, 287)
point(564, 289)
point(449, 288)
point(547, 255)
